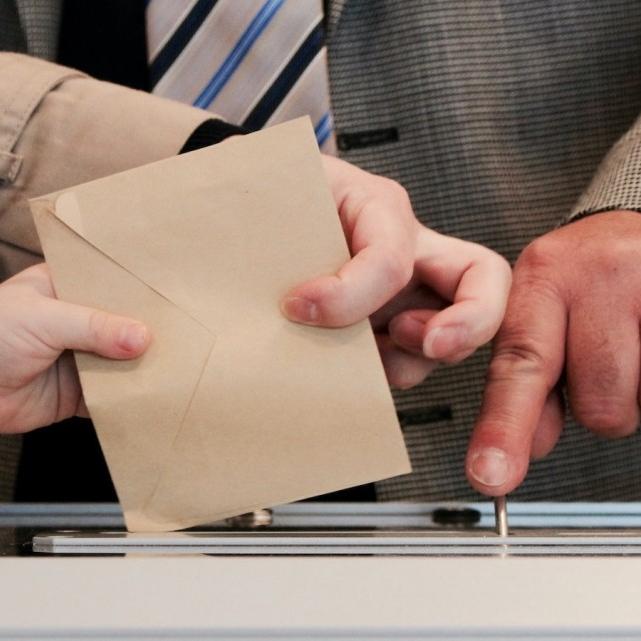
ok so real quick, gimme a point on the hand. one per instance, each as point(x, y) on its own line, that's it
point(38, 378)
point(575, 302)
point(432, 298)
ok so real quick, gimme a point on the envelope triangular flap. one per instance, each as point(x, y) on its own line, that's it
point(137, 407)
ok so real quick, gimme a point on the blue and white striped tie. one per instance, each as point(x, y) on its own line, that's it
point(252, 62)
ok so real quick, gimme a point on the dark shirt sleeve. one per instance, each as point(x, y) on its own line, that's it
point(211, 132)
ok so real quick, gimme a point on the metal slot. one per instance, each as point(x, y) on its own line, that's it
point(380, 543)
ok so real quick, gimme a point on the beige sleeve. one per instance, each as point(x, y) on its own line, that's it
point(617, 182)
point(59, 128)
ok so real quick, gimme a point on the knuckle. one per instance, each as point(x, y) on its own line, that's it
point(501, 268)
point(516, 357)
point(332, 302)
point(535, 281)
point(615, 260)
point(402, 194)
point(604, 416)
point(397, 267)
point(608, 258)
point(535, 287)
point(396, 195)
point(541, 255)
point(394, 187)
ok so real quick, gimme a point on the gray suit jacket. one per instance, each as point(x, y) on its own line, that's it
point(504, 113)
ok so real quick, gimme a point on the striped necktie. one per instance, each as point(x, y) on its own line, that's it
point(251, 62)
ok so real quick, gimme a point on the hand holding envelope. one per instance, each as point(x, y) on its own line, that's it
point(232, 407)
point(38, 375)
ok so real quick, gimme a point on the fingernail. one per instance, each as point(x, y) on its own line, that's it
point(133, 337)
point(444, 341)
point(301, 310)
point(490, 467)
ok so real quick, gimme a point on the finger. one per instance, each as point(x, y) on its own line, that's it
point(403, 370)
point(550, 426)
point(476, 280)
point(408, 329)
point(603, 368)
point(413, 297)
point(458, 357)
point(527, 362)
point(383, 245)
point(65, 326)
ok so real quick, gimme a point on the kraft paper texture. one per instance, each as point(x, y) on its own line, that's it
point(233, 407)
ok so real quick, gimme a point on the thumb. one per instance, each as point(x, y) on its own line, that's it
point(68, 326)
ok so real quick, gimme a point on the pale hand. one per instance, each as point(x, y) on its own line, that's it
point(431, 298)
point(38, 378)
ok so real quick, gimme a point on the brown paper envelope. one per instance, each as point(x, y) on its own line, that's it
point(233, 407)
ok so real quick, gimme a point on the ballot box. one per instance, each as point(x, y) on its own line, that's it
point(325, 571)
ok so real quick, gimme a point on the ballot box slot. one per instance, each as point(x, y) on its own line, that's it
point(317, 528)
point(380, 543)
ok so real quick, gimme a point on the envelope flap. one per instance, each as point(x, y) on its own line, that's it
point(138, 407)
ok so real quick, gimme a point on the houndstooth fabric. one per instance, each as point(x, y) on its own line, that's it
point(617, 182)
point(40, 21)
point(503, 110)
